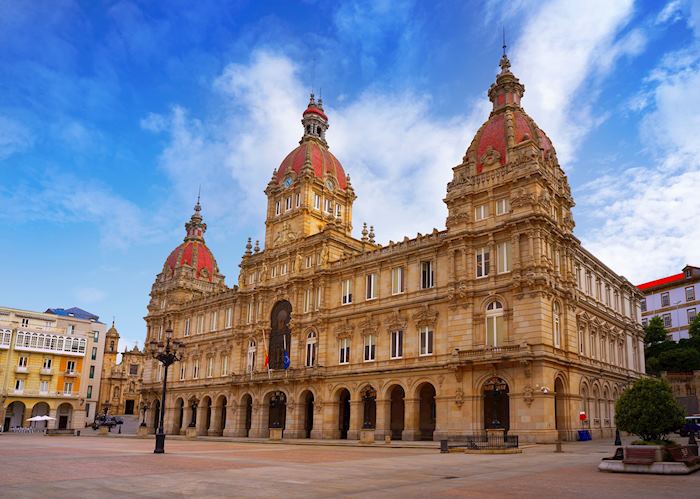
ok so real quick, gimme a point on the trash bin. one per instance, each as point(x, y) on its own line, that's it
point(584, 435)
point(77, 433)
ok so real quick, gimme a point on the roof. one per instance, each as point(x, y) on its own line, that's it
point(322, 161)
point(662, 281)
point(76, 312)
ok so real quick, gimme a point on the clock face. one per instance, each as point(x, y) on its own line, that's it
point(287, 181)
point(329, 185)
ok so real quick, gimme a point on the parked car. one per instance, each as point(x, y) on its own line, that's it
point(692, 425)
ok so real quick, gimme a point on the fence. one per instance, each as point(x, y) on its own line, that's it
point(482, 441)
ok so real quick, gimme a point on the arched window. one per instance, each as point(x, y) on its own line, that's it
point(250, 363)
point(495, 329)
point(556, 324)
point(311, 349)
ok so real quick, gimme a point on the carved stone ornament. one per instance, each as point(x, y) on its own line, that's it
point(528, 395)
point(425, 317)
point(318, 406)
point(396, 322)
point(285, 235)
point(522, 198)
point(457, 292)
point(490, 158)
point(345, 330)
point(368, 326)
point(459, 397)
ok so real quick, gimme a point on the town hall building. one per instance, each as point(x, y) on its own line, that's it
point(500, 320)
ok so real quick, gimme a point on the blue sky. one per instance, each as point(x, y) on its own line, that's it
point(113, 113)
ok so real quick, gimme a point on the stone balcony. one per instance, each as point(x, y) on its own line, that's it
point(495, 354)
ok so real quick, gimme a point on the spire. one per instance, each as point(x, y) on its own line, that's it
point(507, 90)
point(196, 226)
point(314, 121)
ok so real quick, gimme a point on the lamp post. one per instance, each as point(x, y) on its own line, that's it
point(167, 354)
point(145, 406)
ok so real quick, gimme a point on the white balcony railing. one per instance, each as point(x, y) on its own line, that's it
point(46, 371)
point(71, 373)
point(21, 369)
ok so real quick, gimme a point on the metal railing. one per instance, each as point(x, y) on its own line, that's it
point(483, 441)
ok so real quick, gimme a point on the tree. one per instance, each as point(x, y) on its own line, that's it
point(655, 332)
point(694, 330)
point(648, 410)
point(679, 360)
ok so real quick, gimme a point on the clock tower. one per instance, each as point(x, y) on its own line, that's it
point(309, 192)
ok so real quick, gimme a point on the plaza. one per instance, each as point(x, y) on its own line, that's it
point(113, 466)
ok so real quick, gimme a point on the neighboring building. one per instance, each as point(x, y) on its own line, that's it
point(45, 366)
point(686, 387)
point(675, 298)
point(501, 319)
point(120, 391)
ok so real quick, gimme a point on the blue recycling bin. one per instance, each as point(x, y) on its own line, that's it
point(584, 435)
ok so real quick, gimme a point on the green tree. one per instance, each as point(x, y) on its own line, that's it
point(679, 360)
point(694, 330)
point(655, 332)
point(647, 409)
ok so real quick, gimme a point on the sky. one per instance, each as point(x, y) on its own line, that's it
point(114, 113)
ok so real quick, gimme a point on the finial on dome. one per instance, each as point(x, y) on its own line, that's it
point(248, 247)
point(364, 232)
point(196, 227)
point(371, 234)
point(312, 100)
point(507, 90)
point(257, 246)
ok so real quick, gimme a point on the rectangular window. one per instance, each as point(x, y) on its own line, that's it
point(133, 369)
point(288, 203)
point(25, 322)
point(607, 296)
point(159, 372)
point(579, 282)
point(338, 211)
point(426, 341)
point(213, 320)
point(482, 262)
point(503, 261)
point(589, 284)
point(277, 208)
point(396, 344)
point(346, 292)
point(427, 275)
point(319, 295)
point(224, 365)
point(22, 362)
point(691, 315)
point(665, 300)
point(328, 206)
point(283, 269)
point(370, 347)
point(502, 206)
point(643, 304)
point(229, 317)
point(317, 202)
point(187, 327)
point(251, 312)
point(397, 280)
point(183, 370)
point(44, 388)
point(308, 299)
point(690, 293)
point(96, 336)
point(308, 261)
point(667, 320)
point(200, 323)
point(481, 212)
point(273, 272)
point(92, 372)
point(195, 369)
point(371, 286)
point(582, 341)
point(210, 367)
point(344, 351)
point(644, 322)
point(68, 388)
point(19, 385)
point(297, 200)
point(70, 366)
point(47, 363)
point(495, 330)
point(89, 391)
point(70, 329)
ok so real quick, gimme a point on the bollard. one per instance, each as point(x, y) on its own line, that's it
point(444, 449)
point(618, 441)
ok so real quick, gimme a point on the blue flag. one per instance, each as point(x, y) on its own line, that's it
point(286, 361)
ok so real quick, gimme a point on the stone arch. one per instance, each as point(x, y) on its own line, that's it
point(14, 415)
point(426, 417)
point(245, 415)
point(368, 397)
point(280, 334)
point(205, 408)
point(219, 409)
point(307, 402)
point(64, 416)
point(179, 415)
point(396, 395)
point(561, 416)
point(275, 409)
point(341, 411)
point(495, 396)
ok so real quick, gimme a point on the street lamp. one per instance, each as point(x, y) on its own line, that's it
point(144, 406)
point(167, 354)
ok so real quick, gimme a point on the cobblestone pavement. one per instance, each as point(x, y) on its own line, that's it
point(77, 467)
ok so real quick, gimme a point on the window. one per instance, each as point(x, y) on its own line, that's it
point(70, 366)
point(370, 347)
point(665, 299)
point(502, 206)
point(22, 362)
point(317, 202)
point(426, 341)
point(187, 327)
point(288, 203)
point(251, 312)
point(308, 299)
point(283, 269)
point(68, 388)
point(91, 375)
point(200, 323)
point(371, 287)
point(688, 273)
point(25, 322)
point(690, 293)
point(159, 371)
point(44, 388)
point(344, 351)
point(556, 323)
point(297, 200)
point(481, 212)
point(338, 211)
point(133, 369)
point(310, 349)
point(346, 291)
point(579, 282)
point(224, 365)
point(667, 320)
point(213, 320)
point(47, 363)
point(19, 385)
point(582, 340)
point(195, 369)
point(96, 336)
point(319, 295)
point(617, 302)
point(327, 206)
point(503, 260)
point(426, 275)
point(691, 315)
point(396, 344)
point(494, 324)
point(482, 262)
point(273, 272)
point(308, 261)
point(589, 284)
point(70, 329)
point(183, 370)
point(250, 359)
point(397, 280)
point(277, 208)
point(89, 391)
point(643, 304)
point(210, 367)
point(645, 322)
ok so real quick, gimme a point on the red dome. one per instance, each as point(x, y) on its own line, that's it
point(195, 254)
point(315, 110)
point(322, 161)
point(494, 134)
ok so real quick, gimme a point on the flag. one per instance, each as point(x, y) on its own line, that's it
point(267, 360)
point(286, 360)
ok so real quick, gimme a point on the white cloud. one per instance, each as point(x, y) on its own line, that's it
point(14, 137)
point(562, 53)
point(90, 295)
point(671, 12)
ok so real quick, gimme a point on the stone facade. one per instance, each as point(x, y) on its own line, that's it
point(120, 390)
point(501, 319)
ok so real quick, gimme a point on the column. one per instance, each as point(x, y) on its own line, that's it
point(233, 420)
point(411, 430)
point(329, 420)
point(383, 427)
point(258, 427)
point(318, 429)
point(441, 417)
point(215, 425)
point(356, 413)
point(186, 418)
point(201, 419)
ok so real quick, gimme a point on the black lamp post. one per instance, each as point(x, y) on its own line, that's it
point(167, 354)
point(144, 406)
point(369, 399)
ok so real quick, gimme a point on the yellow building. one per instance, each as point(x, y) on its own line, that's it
point(502, 319)
point(49, 365)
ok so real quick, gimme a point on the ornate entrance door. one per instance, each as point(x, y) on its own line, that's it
point(496, 404)
point(280, 336)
